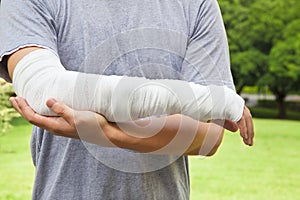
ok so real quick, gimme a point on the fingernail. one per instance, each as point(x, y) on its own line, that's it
point(251, 142)
point(50, 103)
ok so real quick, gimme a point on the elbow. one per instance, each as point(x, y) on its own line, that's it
point(213, 151)
point(214, 148)
point(208, 146)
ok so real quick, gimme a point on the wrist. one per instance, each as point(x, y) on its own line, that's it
point(234, 106)
point(118, 137)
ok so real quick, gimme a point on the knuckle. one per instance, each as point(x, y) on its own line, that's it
point(60, 111)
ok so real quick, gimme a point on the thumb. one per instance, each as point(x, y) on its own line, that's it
point(61, 109)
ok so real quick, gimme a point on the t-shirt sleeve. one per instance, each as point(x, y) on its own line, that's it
point(25, 23)
point(207, 56)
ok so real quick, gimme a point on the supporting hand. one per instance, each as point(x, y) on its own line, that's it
point(85, 125)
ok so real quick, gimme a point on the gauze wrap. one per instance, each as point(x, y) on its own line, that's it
point(40, 76)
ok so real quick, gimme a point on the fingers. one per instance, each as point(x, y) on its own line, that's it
point(246, 127)
point(26, 111)
point(243, 128)
point(250, 126)
point(55, 125)
point(61, 110)
point(15, 105)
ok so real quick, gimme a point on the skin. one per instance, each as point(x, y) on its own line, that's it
point(176, 134)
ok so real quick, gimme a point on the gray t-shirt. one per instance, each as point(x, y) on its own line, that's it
point(183, 39)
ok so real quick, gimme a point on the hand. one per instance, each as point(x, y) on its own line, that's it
point(245, 125)
point(85, 125)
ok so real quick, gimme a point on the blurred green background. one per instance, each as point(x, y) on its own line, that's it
point(264, 42)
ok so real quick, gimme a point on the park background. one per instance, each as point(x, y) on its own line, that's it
point(264, 42)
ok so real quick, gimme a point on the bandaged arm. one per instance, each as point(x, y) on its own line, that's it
point(40, 76)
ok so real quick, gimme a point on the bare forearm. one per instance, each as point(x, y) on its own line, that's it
point(177, 135)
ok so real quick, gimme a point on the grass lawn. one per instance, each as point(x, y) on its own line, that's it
point(269, 170)
point(16, 169)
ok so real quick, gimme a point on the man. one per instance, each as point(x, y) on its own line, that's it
point(174, 39)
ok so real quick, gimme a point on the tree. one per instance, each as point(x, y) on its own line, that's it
point(248, 63)
point(264, 44)
point(283, 72)
point(284, 66)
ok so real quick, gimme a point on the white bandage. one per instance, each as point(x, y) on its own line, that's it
point(40, 76)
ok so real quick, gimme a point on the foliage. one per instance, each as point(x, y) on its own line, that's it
point(264, 41)
point(248, 63)
point(6, 110)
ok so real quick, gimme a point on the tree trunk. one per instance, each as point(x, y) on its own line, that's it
point(240, 88)
point(281, 106)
